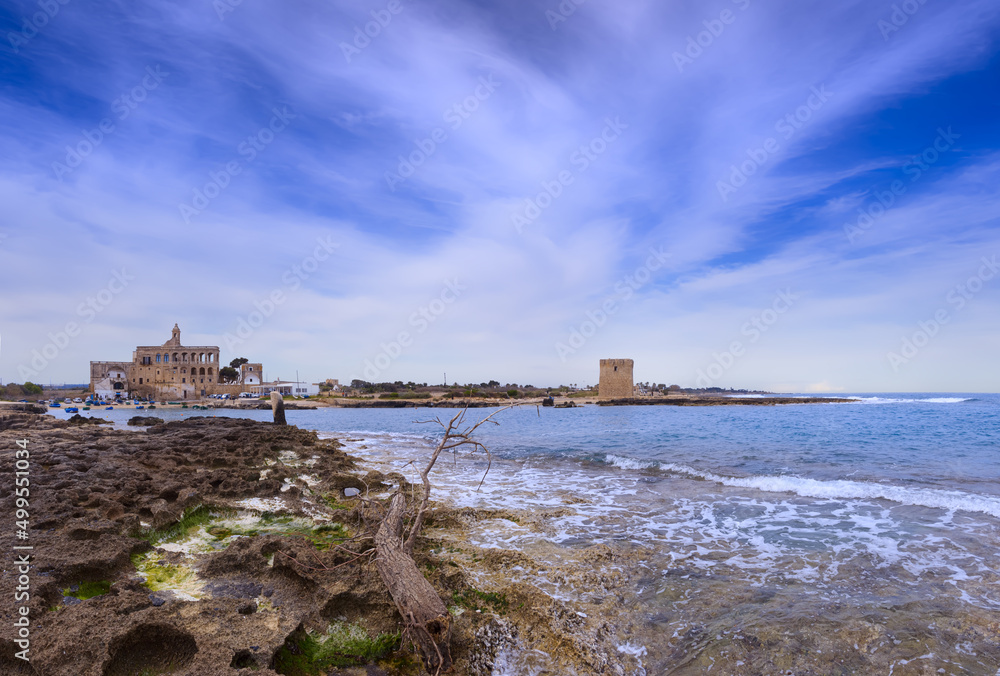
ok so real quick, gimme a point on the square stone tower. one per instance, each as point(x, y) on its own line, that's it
point(616, 379)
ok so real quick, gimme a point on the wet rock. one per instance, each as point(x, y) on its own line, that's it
point(237, 589)
point(144, 421)
point(77, 419)
point(490, 641)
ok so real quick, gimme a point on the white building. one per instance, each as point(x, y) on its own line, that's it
point(114, 381)
point(251, 374)
point(286, 387)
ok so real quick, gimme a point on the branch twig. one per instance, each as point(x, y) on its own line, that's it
point(456, 435)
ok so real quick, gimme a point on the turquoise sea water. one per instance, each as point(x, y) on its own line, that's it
point(865, 535)
point(904, 447)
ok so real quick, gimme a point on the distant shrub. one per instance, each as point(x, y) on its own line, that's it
point(513, 394)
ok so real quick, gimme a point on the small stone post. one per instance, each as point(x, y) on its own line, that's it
point(278, 408)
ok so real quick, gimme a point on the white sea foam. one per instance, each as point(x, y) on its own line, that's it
point(843, 489)
point(630, 463)
point(762, 538)
point(891, 400)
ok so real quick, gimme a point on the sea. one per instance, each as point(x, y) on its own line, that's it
point(840, 538)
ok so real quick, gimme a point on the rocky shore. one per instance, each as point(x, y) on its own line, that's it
point(225, 546)
point(722, 401)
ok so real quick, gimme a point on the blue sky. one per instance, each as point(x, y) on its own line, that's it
point(795, 196)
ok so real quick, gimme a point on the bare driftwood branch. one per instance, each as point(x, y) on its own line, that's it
point(427, 621)
point(454, 438)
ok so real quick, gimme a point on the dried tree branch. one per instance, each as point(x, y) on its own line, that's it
point(454, 438)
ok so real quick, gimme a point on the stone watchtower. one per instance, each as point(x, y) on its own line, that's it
point(616, 379)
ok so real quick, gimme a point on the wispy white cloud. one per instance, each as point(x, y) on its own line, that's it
point(656, 184)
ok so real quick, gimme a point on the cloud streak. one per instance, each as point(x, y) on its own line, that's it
point(552, 91)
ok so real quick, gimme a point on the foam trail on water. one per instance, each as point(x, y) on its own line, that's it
point(932, 400)
point(630, 463)
point(843, 489)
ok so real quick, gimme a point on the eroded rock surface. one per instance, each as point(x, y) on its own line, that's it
point(95, 493)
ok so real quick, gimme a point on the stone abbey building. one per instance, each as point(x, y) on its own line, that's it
point(169, 371)
point(616, 379)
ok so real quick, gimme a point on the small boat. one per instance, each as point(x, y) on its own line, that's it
point(151, 407)
point(86, 408)
point(72, 409)
point(140, 407)
point(109, 408)
point(55, 404)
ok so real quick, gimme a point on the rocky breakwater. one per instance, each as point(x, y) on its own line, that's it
point(703, 400)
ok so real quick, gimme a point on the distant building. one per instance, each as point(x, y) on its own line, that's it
point(168, 371)
point(251, 374)
point(286, 387)
point(616, 379)
point(109, 378)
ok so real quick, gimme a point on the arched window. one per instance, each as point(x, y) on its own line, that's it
point(202, 371)
point(157, 357)
point(209, 370)
point(175, 357)
point(166, 359)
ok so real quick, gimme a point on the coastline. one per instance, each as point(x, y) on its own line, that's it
point(612, 556)
point(204, 568)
